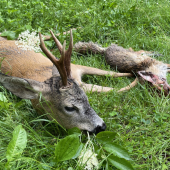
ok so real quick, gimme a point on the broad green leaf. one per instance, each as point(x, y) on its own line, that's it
point(2, 97)
point(116, 150)
point(5, 33)
point(9, 34)
point(28, 27)
point(67, 148)
point(48, 43)
point(22, 29)
point(105, 137)
point(78, 151)
point(5, 104)
point(1, 20)
point(164, 167)
point(19, 104)
point(17, 144)
point(39, 29)
point(113, 113)
point(4, 101)
point(70, 168)
point(74, 130)
point(120, 163)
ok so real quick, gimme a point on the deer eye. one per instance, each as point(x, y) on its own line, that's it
point(70, 109)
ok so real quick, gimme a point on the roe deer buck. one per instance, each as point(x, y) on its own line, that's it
point(136, 62)
point(30, 75)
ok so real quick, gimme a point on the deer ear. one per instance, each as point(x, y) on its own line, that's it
point(23, 88)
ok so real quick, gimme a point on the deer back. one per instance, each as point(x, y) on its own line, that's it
point(23, 63)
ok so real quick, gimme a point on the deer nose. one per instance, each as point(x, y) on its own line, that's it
point(100, 128)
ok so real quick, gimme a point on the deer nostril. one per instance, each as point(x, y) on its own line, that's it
point(103, 128)
point(100, 128)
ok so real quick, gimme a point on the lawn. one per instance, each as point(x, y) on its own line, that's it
point(140, 119)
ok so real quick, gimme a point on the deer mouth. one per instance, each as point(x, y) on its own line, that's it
point(158, 82)
point(96, 130)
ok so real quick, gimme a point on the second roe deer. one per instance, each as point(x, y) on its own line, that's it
point(32, 76)
point(136, 62)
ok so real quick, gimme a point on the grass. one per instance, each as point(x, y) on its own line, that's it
point(140, 119)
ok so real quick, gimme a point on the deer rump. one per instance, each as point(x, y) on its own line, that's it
point(138, 63)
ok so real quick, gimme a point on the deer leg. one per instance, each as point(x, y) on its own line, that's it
point(95, 88)
point(131, 85)
point(78, 71)
point(94, 71)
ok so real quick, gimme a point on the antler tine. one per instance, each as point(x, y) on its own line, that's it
point(58, 63)
point(68, 56)
point(44, 49)
point(57, 42)
point(70, 48)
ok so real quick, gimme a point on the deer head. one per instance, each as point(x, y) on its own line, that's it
point(62, 98)
point(156, 76)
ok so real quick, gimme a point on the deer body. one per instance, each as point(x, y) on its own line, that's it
point(54, 86)
point(129, 61)
point(30, 75)
point(126, 60)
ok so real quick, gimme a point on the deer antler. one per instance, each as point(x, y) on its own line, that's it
point(67, 59)
point(68, 56)
point(57, 42)
point(60, 64)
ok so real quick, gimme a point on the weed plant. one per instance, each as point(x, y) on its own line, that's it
point(140, 119)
